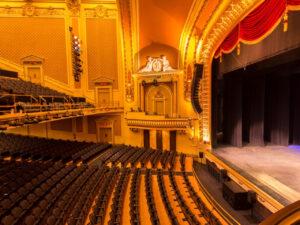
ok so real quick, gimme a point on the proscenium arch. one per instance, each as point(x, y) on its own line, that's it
point(221, 24)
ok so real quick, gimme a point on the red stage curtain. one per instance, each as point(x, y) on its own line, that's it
point(261, 20)
point(257, 24)
point(293, 2)
point(232, 39)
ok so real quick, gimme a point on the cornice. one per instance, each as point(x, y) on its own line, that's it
point(100, 11)
point(31, 10)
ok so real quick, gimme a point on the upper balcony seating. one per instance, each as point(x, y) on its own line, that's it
point(21, 87)
point(26, 96)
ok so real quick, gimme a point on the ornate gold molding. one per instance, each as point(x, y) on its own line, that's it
point(100, 11)
point(126, 20)
point(172, 124)
point(161, 76)
point(188, 29)
point(73, 6)
point(30, 10)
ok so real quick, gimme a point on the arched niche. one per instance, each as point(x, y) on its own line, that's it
point(159, 100)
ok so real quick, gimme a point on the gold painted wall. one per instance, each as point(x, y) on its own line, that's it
point(42, 37)
point(101, 36)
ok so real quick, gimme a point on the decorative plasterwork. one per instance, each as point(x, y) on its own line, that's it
point(172, 124)
point(126, 20)
point(189, 27)
point(191, 43)
point(73, 6)
point(100, 11)
point(32, 60)
point(30, 10)
point(162, 76)
point(157, 64)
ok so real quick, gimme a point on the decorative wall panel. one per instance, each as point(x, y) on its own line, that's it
point(102, 50)
point(42, 37)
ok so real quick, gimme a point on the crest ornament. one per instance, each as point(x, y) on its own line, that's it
point(73, 6)
point(29, 9)
point(101, 11)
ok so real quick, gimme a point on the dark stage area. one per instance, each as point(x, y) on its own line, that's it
point(258, 104)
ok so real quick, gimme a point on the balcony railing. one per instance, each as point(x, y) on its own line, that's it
point(143, 120)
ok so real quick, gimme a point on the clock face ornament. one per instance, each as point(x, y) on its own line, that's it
point(157, 64)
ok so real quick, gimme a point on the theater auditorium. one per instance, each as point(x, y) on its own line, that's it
point(149, 112)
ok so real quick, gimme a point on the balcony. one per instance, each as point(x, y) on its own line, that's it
point(142, 120)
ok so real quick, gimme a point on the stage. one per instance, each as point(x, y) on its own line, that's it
point(274, 169)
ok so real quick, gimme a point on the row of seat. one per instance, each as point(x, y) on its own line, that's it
point(52, 193)
point(206, 213)
point(134, 198)
point(19, 95)
point(10, 179)
point(36, 148)
point(191, 218)
point(81, 209)
point(101, 201)
point(118, 199)
point(48, 149)
point(63, 194)
point(133, 155)
point(150, 198)
point(18, 86)
point(164, 196)
point(55, 202)
point(17, 204)
point(89, 152)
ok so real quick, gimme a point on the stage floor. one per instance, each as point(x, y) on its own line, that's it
point(275, 169)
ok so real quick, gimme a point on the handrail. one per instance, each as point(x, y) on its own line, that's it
point(34, 98)
point(290, 212)
point(44, 100)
